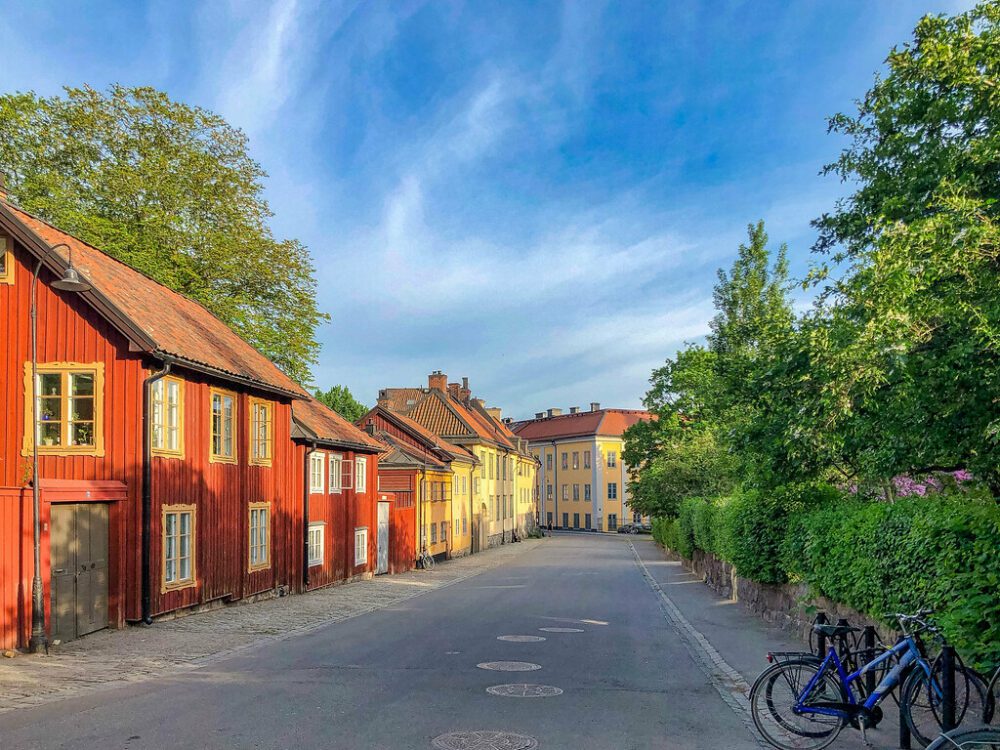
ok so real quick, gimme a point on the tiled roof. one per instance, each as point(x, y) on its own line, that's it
point(401, 400)
point(434, 439)
point(402, 453)
point(178, 326)
point(609, 422)
point(484, 425)
point(324, 424)
point(433, 413)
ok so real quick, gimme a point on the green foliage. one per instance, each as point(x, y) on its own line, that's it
point(340, 399)
point(171, 190)
point(877, 557)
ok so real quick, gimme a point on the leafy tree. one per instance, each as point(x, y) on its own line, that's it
point(171, 190)
point(910, 343)
point(340, 399)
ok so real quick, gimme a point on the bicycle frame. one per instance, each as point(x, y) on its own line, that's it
point(906, 651)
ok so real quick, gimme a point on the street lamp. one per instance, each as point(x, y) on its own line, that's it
point(70, 282)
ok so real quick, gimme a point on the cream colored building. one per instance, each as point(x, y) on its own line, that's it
point(582, 480)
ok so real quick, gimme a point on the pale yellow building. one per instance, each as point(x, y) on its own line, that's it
point(582, 480)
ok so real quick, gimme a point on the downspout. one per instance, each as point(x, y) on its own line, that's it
point(310, 449)
point(472, 469)
point(147, 489)
point(555, 482)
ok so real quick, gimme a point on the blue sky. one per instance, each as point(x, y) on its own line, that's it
point(533, 195)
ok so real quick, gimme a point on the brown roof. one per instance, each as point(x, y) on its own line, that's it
point(323, 424)
point(175, 325)
point(401, 400)
point(436, 440)
point(609, 422)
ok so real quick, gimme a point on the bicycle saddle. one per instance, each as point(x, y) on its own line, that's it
point(833, 631)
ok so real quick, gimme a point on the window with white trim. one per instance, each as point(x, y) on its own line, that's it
point(316, 473)
point(361, 546)
point(612, 490)
point(223, 418)
point(612, 459)
point(260, 536)
point(336, 472)
point(316, 534)
point(361, 479)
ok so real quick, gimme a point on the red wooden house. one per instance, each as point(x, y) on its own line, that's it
point(168, 472)
point(346, 518)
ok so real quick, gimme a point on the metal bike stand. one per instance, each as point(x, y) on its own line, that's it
point(821, 638)
point(868, 642)
point(948, 688)
point(905, 739)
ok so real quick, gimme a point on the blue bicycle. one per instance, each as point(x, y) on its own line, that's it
point(803, 702)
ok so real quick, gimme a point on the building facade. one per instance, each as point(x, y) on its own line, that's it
point(165, 463)
point(500, 488)
point(582, 482)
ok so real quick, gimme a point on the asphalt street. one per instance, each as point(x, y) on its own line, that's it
point(402, 676)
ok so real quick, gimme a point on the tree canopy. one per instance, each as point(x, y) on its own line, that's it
point(172, 191)
point(342, 401)
point(894, 373)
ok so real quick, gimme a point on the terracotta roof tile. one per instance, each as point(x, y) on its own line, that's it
point(610, 422)
point(433, 413)
point(328, 426)
point(434, 439)
point(179, 326)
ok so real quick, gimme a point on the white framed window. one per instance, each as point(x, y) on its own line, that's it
point(586, 459)
point(361, 546)
point(336, 472)
point(361, 480)
point(465, 485)
point(260, 536)
point(316, 473)
point(612, 490)
point(612, 459)
point(316, 537)
point(586, 492)
point(178, 547)
point(167, 417)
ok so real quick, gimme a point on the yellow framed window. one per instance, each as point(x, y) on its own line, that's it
point(223, 425)
point(260, 536)
point(178, 556)
point(6, 261)
point(261, 434)
point(167, 417)
point(70, 408)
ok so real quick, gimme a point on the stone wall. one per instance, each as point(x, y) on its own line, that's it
point(791, 607)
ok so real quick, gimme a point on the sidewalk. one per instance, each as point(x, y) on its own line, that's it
point(733, 643)
point(112, 658)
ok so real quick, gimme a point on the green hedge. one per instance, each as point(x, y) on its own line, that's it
point(941, 552)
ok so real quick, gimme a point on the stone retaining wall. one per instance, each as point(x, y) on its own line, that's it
point(789, 606)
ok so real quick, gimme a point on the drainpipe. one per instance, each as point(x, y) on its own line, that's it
point(147, 489)
point(472, 470)
point(555, 482)
point(310, 449)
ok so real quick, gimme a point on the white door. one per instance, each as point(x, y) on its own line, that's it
point(383, 539)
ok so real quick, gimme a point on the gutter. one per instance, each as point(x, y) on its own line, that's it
point(310, 449)
point(147, 489)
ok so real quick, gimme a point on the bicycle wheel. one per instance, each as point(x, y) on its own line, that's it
point(980, 738)
point(921, 701)
point(775, 694)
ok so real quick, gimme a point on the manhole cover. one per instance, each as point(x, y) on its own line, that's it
point(524, 690)
point(509, 666)
point(562, 630)
point(484, 740)
point(520, 638)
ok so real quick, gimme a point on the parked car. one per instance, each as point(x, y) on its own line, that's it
point(625, 528)
point(642, 528)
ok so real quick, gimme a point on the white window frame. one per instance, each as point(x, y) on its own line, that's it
point(360, 474)
point(316, 460)
point(317, 542)
point(612, 490)
point(612, 459)
point(361, 546)
point(336, 472)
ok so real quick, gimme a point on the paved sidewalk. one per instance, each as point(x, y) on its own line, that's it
point(730, 643)
point(112, 658)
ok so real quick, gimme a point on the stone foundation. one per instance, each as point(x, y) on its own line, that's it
point(791, 607)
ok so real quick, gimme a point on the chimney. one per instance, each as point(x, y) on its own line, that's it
point(465, 383)
point(595, 406)
point(383, 398)
point(479, 403)
point(574, 410)
point(555, 412)
point(496, 412)
point(370, 428)
point(539, 415)
point(437, 381)
point(455, 391)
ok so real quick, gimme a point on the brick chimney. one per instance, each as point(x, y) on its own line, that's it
point(437, 380)
point(479, 403)
point(464, 393)
point(595, 406)
point(496, 412)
